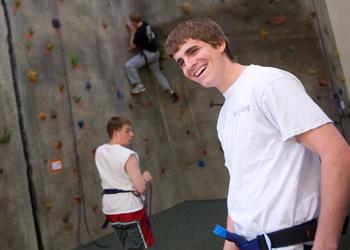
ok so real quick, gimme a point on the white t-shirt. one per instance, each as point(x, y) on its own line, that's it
point(110, 161)
point(274, 180)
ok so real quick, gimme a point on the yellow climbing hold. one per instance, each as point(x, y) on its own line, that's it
point(264, 33)
point(32, 75)
point(48, 205)
point(49, 47)
point(186, 8)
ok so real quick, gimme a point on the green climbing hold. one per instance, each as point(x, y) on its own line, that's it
point(74, 60)
point(6, 137)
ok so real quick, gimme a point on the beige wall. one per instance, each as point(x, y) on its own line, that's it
point(340, 19)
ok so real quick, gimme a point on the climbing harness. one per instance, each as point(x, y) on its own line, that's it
point(298, 234)
point(133, 226)
point(118, 191)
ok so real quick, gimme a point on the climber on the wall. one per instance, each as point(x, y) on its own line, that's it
point(142, 39)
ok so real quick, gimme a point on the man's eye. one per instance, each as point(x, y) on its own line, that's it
point(194, 50)
point(180, 63)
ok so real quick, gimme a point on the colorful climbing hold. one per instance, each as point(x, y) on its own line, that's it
point(53, 114)
point(74, 60)
point(77, 99)
point(94, 207)
point(48, 205)
point(162, 172)
point(61, 88)
point(32, 76)
point(65, 217)
point(186, 8)
point(204, 152)
point(323, 82)
point(343, 79)
point(58, 145)
point(16, 6)
point(29, 34)
point(88, 85)
point(104, 25)
point(291, 49)
point(81, 124)
point(42, 116)
point(277, 20)
point(49, 47)
point(264, 33)
point(201, 163)
point(77, 198)
point(55, 23)
point(6, 137)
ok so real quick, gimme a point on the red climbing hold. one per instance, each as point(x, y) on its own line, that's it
point(278, 20)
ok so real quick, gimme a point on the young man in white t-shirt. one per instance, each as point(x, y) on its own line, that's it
point(123, 183)
point(288, 164)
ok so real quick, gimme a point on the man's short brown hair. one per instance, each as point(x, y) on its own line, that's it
point(116, 123)
point(198, 28)
point(135, 17)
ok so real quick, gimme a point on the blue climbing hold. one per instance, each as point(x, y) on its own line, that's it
point(81, 124)
point(201, 163)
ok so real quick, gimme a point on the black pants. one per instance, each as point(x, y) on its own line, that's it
point(306, 247)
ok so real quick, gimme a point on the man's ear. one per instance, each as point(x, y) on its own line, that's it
point(222, 46)
point(115, 134)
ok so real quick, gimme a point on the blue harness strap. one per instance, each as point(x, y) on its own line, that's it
point(298, 234)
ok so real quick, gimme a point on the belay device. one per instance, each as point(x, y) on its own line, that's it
point(286, 237)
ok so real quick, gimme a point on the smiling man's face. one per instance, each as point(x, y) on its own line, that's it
point(201, 62)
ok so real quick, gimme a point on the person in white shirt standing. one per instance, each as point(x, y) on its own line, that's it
point(287, 162)
point(123, 183)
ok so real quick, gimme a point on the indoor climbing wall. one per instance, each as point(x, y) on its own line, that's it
point(62, 78)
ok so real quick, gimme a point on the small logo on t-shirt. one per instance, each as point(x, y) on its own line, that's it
point(240, 110)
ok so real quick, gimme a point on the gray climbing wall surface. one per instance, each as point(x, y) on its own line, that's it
point(17, 224)
point(68, 79)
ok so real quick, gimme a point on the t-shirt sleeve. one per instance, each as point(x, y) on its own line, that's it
point(289, 108)
point(125, 155)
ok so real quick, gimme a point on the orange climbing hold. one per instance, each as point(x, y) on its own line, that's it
point(42, 116)
point(58, 145)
